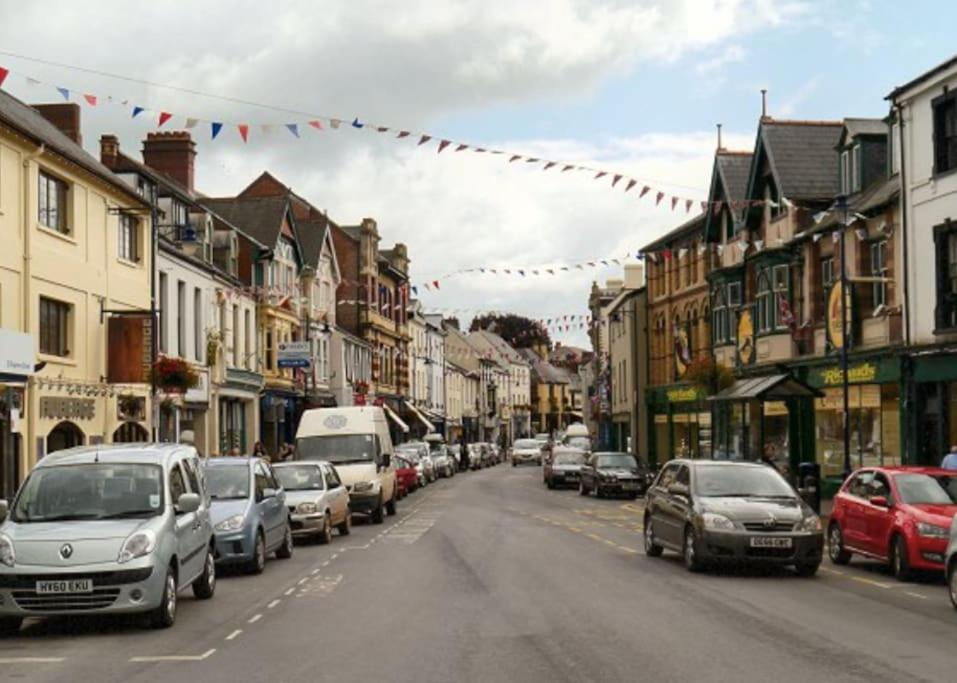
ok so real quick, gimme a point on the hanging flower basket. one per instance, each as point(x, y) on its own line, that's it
point(361, 387)
point(174, 375)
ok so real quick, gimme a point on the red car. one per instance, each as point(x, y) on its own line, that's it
point(405, 475)
point(900, 515)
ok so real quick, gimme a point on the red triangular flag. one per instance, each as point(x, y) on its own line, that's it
point(644, 190)
point(615, 180)
point(243, 131)
point(674, 202)
point(424, 139)
point(403, 134)
point(90, 99)
point(435, 283)
point(461, 147)
point(631, 184)
point(164, 117)
point(443, 144)
point(659, 197)
point(316, 124)
point(3, 75)
point(667, 253)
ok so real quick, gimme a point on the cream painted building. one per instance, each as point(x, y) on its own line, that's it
point(76, 259)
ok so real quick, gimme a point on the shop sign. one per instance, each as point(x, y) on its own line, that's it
point(54, 408)
point(835, 330)
point(16, 353)
point(863, 372)
point(682, 395)
point(745, 338)
point(295, 354)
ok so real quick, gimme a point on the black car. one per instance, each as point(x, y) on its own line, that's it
point(608, 473)
point(712, 511)
point(564, 468)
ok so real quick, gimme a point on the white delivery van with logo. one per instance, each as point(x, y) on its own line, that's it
point(356, 441)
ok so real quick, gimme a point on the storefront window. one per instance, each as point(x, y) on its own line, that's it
point(662, 440)
point(776, 442)
point(874, 427)
point(686, 435)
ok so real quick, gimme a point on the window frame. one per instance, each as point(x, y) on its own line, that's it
point(938, 105)
point(945, 308)
point(878, 253)
point(764, 316)
point(128, 237)
point(779, 290)
point(58, 347)
point(45, 181)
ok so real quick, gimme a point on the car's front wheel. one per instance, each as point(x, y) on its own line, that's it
point(164, 615)
point(205, 585)
point(390, 506)
point(257, 564)
point(325, 536)
point(549, 483)
point(378, 515)
point(900, 564)
point(690, 551)
point(284, 552)
point(652, 549)
point(835, 545)
point(952, 583)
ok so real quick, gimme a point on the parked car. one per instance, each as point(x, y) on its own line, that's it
point(406, 475)
point(901, 515)
point(316, 498)
point(248, 512)
point(107, 530)
point(576, 436)
point(496, 455)
point(443, 463)
point(564, 469)
point(713, 511)
point(608, 473)
point(951, 563)
point(543, 437)
point(477, 456)
point(419, 453)
point(357, 442)
point(526, 450)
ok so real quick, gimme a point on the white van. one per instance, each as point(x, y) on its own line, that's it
point(576, 436)
point(356, 441)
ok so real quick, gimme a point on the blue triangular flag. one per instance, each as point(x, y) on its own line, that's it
point(215, 127)
point(639, 256)
point(415, 290)
point(293, 128)
point(356, 123)
point(137, 111)
point(64, 92)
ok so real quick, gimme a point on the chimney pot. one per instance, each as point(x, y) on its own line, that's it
point(172, 153)
point(109, 150)
point(65, 116)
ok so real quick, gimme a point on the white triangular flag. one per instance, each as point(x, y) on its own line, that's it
point(191, 123)
point(758, 245)
point(682, 252)
point(817, 237)
point(743, 246)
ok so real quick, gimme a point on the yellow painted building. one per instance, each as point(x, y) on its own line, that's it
point(76, 258)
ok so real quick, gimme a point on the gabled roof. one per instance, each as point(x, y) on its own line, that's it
point(261, 218)
point(729, 180)
point(32, 124)
point(802, 157)
point(927, 75)
point(311, 236)
point(500, 346)
point(542, 370)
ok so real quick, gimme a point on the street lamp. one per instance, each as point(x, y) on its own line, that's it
point(841, 204)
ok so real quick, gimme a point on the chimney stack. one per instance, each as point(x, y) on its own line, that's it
point(65, 116)
point(720, 146)
point(172, 154)
point(109, 151)
point(764, 104)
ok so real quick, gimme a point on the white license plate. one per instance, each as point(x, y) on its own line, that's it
point(69, 586)
point(629, 487)
point(770, 542)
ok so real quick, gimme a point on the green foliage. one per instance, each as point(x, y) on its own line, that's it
point(520, 332)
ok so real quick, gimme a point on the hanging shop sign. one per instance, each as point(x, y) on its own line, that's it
point(16, 353)
point(835, 328)
point(682, 350)
point(294, 354)
point(745, 338)
point(54, 408)
point(683, 395)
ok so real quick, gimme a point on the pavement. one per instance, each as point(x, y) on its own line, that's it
point(491, 577)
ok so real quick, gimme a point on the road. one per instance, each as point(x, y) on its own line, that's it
point(490, 577)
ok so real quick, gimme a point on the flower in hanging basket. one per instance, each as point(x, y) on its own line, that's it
point(174, 375)
point(361, 387)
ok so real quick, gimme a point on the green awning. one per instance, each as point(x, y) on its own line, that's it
point(768, 388)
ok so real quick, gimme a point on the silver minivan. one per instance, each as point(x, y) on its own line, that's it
point(107, 529)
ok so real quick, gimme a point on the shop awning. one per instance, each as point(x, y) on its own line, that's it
point(422, 418)
point(395, 418)
point(768, 388)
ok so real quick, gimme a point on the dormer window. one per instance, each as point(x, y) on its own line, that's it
point(851, 170)
point(180, 214)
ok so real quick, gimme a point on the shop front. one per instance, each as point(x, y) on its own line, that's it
point(680, 423)
point(931, 420)
point(16, 367)
point(237, 402)
point(279, 410)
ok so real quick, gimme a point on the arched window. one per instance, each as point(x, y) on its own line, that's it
point(130, 432)
point(763, 303)
point(64, 435)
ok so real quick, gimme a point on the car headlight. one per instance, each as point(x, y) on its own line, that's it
point(233, 523)
point(7, 555)
point(715, 521)
point(363, 486)
point(812, 523)
point(307, 508)
point(932, 530)
point(138, 544)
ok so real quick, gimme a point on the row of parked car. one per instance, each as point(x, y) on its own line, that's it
point(127, 528)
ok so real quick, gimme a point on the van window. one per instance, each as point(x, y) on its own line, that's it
point(340, 448)
point(189, 466)
point(177, 485)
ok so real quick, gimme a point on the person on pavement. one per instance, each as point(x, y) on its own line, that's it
point(950, 460)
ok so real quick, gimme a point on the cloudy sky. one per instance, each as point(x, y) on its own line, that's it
point(635, 87)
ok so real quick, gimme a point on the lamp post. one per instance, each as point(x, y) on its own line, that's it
point(842, 205)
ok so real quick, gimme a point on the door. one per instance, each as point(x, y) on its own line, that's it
point(855, 521)
point(878, 518)
point(268, 507)
point(660, 514)
point(338, 496)
point(185, 527)
point(193, 565)
point(675, 509)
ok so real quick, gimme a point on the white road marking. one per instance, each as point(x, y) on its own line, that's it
point(255, 619)
point(315, 571)
point(176, 658)
point(273, 603)
point(326, 563)
point(303, 580)
point(30, 660)
point(917, 595)
point(290, 591)
point(234, 634)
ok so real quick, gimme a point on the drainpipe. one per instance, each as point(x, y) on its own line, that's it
point(28, 217)
point(903, 175)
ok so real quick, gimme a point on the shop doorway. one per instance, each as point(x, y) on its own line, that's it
point(931, 410)
point(64, 435)
point(130, 432)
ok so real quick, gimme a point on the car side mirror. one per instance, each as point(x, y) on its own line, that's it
point(677, 489)
point(4, 510)
point(188, 502)
point(879, 501)
point(386, 460)
point(270, 493)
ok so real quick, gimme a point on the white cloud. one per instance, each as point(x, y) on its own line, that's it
point(729, 55)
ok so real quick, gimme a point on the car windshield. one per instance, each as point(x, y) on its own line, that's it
point(340, 448)
point(743, 482)
point(527, 444)
point(402, 463)
point(299, 477)
point(616, 460)
point(918, 489)
point(228, 482)
point(93, 491)
point(569, 458)
point(409, 455)
point(436, 447)
point(582, 442)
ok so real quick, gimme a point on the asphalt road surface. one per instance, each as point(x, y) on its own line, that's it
point(490, 577)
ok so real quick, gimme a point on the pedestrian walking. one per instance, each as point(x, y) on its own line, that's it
point(950, 460)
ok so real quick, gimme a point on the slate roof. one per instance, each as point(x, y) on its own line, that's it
point(857, 127)
point(258, 217)
point(32, 124)
point(311, 235)
point(803, 156)
point(734, 168)
point(542, 370)
point(500, 346)
point(879, 194)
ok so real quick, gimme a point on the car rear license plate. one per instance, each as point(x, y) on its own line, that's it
point(770, 542)
point(67, 586)
point(629, 487)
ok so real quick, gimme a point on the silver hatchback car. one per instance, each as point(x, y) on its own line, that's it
point(107, 529)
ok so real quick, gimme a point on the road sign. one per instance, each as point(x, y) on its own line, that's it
point(294, 354)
